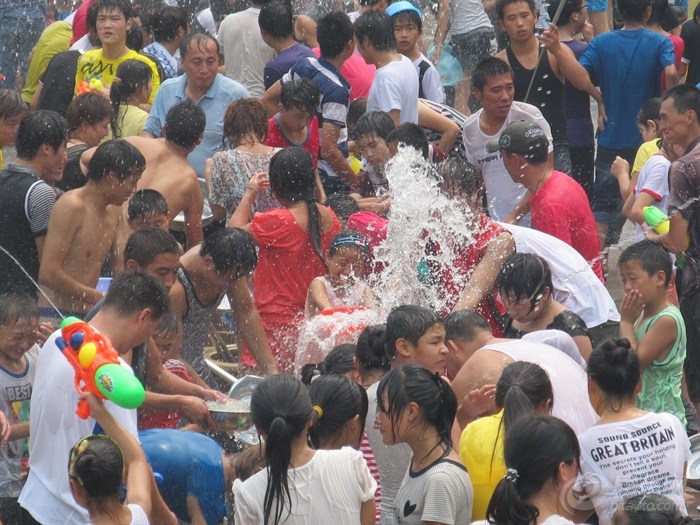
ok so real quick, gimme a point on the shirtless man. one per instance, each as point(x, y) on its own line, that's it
point(83, 230)
point(167, 169)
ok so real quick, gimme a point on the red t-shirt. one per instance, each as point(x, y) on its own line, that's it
point(678, 49)
point(80, 27)
point(164, 418)
point(373, 228)
point(277, 139)
point(357, 72)
point(561, 209)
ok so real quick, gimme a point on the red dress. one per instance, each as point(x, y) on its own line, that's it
point(287, 263)
point(277, 139)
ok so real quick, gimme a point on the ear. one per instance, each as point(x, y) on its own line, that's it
point(145, 315)
point(129, 23)
point(404, 348)
point(131, 265)
point(412, 410)
point(660, 277)
point(500, 24)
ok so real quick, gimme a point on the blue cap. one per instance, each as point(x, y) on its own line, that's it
point(402, 5)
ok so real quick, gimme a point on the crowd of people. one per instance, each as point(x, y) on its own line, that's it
point(164, 159)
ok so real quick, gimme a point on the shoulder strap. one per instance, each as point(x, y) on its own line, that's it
point(422, 68)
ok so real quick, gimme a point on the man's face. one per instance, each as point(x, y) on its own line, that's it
point(53, 162)
point(497, 96)
point(674, 125)
point(201, 64)
point(374, 149)
point(8, 129)
point(406, 35)
point(518, 21)
point(164, 267)
point(121, 190)
point(112, 27)
point(430, 351)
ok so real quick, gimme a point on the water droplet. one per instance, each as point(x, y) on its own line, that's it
point(546, 75)
point(539, 88)
point(549, 92)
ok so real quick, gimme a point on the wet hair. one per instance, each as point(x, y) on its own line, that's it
point(408, 322)
point(91, 20)
point(117, 157)
point(534, 448)
point(487, 69)
point(340, 399)
point(109, 6)
point(11, 104)
point(374, 123)
point(348, 239)
point(633, 10)
point(408, 16)
point(200, 40)
point(659, 12)
point(184, 124)
point(231, 248)
point(410, 134)
point(650, 111)
point(38, 128)
point(650, 509)
point(343, 205)
point(276, 19)
point(145, 203)
point(413, 383)
point(651, 256)
point(464, 325)
point(97, 464)
point(292, 178)
point(339, 361)
point(131, 76)
point(248, 461)
point(525, 275)
point(333, 33)
point(281, 408)
point(243, 117)
point(570, 7)
point(167, 326)
point(145, 244)
point(300, 93)
point(377, 28)
point(133, 291)
point(357, 108)
point(521, 388)
point(457, 171)
point(686, 97)
point(614, 366)
point(15, 306)
point(167, 22)
point(501, 6)
point(134, 38)
point(370, 351)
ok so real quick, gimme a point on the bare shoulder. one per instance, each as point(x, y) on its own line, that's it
point(178, 302)
point(503, 56)
point(70, 202)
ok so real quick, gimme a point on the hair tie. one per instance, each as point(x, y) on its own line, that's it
point(318, 411)
point(512, 475)
point(355, 240)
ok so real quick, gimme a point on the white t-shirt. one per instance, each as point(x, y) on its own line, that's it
point(55, 428)
point(502, 194)
point(552, 520)
point(575, 284)
point(653, 179)
point(569, 381)
point(330, 488)
point(468, 15)
point(432, 87)
point(138, 516)
point(245, 52)
point(630, 458)
point(559, 340)
point(395, 86)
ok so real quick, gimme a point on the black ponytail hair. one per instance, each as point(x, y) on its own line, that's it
point(614, 366)
point(338, 399)
point(281, 408)
point(414, 383)
point(534, 449)
point(97, 464)
point(371, 349)
point(651, 509)
point(339, 361)
point(292, 178)
point(522, 387)
point(130, 76)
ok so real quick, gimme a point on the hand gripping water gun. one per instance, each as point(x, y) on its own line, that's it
point(656, 219)
point(97, 367)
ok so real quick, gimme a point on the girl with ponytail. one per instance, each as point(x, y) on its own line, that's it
point(417, 407)
point(292, 241)
point(130, 89)
point(300, 485)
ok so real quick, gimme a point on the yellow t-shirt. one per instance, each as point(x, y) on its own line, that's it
point(481, 450)
point(645, 151)
point(92, 64)
point(55, 39)
point(131, 120)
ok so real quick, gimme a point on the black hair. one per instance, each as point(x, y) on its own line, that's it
point(651, 256)
point(377, 123)
point(301, 93)
point(408, 322)
point(117, 157)
point(413, 383)
point(534, 449)
point(167, 326)
point(145, 244)
point(487, 69)
point(633, 10)
point(356, 109)
point(333, 33)
point(525, 275)
point(408, 16)
point(649, 111)
point(686, 97)
point(200, 40)
point(38, 128)
point(276, 19)
point(184, 124)
point(97, 465)
point(146, 202)
point(459, 172)
point(501, 6)
point(167, 22)
point(292, 178)
point(338, 362)
point(242, 118)
point(339, 399)
point(231, 248)
point(133, 291)
point(570, 7)
point(348, 239)
point(15, 306)
point(134, 38)
point(281, 408)
point(410, 134)
point(91, 19)
point(651, 509)
point(378, 28)
point(122, 6)
point(343, 205)
point(659, 12)
point(131, 76)
point(371, 349)
point(11, 104)
point(464, 325)
point(90, 108)
point(614, 366)
point(521, 388)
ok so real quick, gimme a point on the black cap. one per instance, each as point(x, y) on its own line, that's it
point(520, 136)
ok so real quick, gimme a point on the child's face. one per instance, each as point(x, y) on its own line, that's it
point(406, 35)
point(112, 26)
point(8, 129)
point(152, 220)
point(392, 432)
point(168, 343)
point(634, 277)
point(345, 265)
point(431, 351)
point(648, 130)
point(374, 149)
point(120, 190)
point(17, 338)
point(294, 119)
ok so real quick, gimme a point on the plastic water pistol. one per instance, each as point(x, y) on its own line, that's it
point(97, 367)
point(94, 84)
point(656, 219)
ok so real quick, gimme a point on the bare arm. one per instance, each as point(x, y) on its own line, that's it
point(519, 211)
point(441, 31)
point(36, 97)
point(193, 215)
point(566, 64)
point(431, 119)
point(147, 134)
point(271, 99)
point(671, 75)
point(331, 154)
point(19, 431)
point(317, 297)
point(195, 511)
point(636, 214)
point(193, 408)
point(676, 240)
point(367, 512)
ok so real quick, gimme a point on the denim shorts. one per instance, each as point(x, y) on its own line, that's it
point(471, 48)
point(606, 201)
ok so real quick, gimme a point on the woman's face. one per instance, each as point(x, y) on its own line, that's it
point(394, 433)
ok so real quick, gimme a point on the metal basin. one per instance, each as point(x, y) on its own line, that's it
point(693, 469)
point(232, 415)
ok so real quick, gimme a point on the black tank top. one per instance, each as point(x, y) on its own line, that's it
point(546, 94)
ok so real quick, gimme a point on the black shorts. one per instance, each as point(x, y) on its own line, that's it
point(471, 48)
